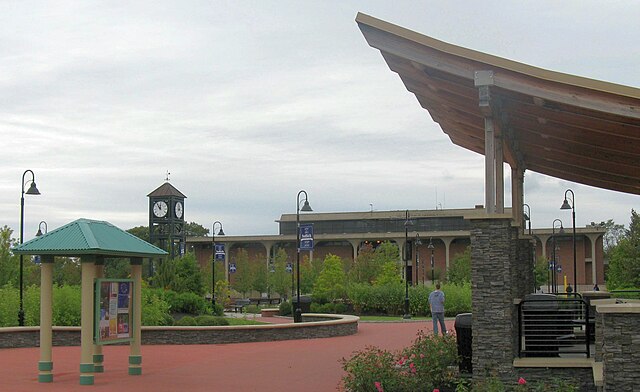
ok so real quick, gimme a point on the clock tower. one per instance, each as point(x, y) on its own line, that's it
point(166, 219)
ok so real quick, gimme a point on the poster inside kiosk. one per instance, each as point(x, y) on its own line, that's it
point(113, 311)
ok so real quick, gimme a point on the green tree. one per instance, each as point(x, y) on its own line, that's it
point(390, 274)
point(191, 228)
point(366, 267)
point(624, 258)
point(460, 269)
point(181, 275)
point(385, 252)
point(195, 229)
point(260, 271)
point(309, 272)
point(330, 284)
point(280, 279)
point(243, 279)
point(117, 268)
point(541, 272)
point(9, 263)
point(67, 271)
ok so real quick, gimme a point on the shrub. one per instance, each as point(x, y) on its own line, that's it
point(251, 309)
point(458, 299)
point(155, 310)
point(186, 321)
point(207, 320)
point(386, 299)
point(285, 308)
point(217, 309)
point(188, 302)
point(9, 306)
point(423, 366)
point(67, 305)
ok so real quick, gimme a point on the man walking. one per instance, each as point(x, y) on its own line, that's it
point(436, 304)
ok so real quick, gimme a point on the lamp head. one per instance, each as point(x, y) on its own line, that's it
point(561, 229)
point(306, 207)
point(526, 216)
point(221, 232)
point(33, 190)
point(565, 205)
point(39, 233)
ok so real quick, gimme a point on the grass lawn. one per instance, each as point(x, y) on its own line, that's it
point(242, 321)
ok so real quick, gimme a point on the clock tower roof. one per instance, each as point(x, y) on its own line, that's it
point(166, 189)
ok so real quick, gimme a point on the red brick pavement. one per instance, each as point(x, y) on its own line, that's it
point(294, 365)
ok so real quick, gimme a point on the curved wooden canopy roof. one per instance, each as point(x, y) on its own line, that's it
point(577, 129)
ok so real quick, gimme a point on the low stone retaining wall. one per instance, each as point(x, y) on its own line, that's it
point(313, 326)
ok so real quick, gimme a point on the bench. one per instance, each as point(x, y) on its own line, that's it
point(239, 304)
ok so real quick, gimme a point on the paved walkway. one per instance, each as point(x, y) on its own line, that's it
point(294, 365)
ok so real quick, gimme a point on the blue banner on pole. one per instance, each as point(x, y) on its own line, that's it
point(232, 268)
point(220, 252)
point(306, 237)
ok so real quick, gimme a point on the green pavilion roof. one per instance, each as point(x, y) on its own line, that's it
point(89, 237)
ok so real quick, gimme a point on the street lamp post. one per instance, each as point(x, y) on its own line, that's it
point(33, 190)
point(572, 207)
point(418, 243)
point(554, 262)
point(527, 216)
point(213, 258)
point(297, 316)
point(405, 254)
point(39, 233)
point(432, 259)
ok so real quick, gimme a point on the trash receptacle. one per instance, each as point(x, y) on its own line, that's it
point(305, 303)
point(464, 338)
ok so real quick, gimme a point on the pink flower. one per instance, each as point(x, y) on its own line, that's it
point(413, 356)
point(401, 361)
point(421, 355)
point(413, 368)
point(436, 390)
point(379, 386)
point(522, 381)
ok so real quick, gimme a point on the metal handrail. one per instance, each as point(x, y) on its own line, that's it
point(554, 327)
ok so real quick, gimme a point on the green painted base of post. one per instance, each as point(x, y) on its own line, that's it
point(135, 365)
point(135, 371)
point(97, 363)
point(86, 373)
point(45, 368)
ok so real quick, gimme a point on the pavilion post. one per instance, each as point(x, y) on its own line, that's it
point(98, 357)
point(45, 365)
point(135, 354)
point(87, 264)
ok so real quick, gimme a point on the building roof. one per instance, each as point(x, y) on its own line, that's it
point(465, 213)
point(569, 127)
point(166, 189)
point(89, 237)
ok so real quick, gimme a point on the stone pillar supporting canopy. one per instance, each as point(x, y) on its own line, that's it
point(500, 272)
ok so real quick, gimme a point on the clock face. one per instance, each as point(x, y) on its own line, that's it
point(178, 209)
point(160, 209)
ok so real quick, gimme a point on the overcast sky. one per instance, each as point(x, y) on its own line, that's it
point(248, 102)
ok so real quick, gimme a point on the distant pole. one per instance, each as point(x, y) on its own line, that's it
point(405, 255)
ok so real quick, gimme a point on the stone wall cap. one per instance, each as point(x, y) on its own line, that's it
point(554, 362)
point(629, 307)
